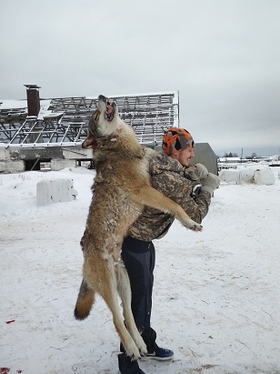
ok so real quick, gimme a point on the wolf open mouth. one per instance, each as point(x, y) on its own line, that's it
point(110, 107)
point(110, 111)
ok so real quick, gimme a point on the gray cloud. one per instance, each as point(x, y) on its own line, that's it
point(221, 55)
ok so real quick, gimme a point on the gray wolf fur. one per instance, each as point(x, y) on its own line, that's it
point(121, 190)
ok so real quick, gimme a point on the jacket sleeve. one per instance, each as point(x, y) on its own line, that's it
point(168, 177)
point(179, 189)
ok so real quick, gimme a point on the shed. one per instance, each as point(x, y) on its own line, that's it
point(205, 155)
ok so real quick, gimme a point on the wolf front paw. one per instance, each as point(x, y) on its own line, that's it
point(196, 227)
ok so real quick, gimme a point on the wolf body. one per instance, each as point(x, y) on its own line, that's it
point(121, 190)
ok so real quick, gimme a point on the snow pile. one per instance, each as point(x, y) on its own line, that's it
point(216, 295)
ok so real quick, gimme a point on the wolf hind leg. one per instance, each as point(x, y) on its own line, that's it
point(108, 291)
point(124, 291)
point(84, 302)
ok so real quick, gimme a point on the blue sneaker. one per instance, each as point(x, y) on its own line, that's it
point(161, 354)
point(126, 366)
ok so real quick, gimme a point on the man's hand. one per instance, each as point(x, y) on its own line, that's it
point(210, 183)
point(201, 171)
point(196, 172)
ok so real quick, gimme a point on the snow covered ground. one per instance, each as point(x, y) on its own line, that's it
point(216, 298)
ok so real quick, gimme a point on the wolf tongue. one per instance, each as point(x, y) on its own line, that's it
point(109, 109)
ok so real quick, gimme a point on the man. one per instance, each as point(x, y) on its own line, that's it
point(192, 188)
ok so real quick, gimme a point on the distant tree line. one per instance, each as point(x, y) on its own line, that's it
point(233, 154)
point(230, 154)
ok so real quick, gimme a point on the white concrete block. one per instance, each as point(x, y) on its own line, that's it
point(50, 191)
point(57, 165)
point(12, 166)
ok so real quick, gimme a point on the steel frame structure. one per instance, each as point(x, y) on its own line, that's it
point(64, 121)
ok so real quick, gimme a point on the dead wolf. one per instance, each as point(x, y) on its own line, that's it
point(121, 189)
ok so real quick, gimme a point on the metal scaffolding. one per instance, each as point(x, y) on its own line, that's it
point(64, 121)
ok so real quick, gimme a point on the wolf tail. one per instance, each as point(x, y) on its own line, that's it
point(84, 302)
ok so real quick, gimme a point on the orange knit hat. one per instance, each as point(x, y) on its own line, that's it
point(175, 139)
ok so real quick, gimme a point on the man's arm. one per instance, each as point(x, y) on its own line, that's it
point(153, 223)
point(168, 176)
point(179, 189)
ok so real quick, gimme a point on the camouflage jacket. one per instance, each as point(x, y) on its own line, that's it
point(175, 181)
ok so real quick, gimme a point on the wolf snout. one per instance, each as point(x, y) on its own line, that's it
point(107, 101)
point(102, 98)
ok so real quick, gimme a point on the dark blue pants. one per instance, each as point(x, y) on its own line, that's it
point(139, 259)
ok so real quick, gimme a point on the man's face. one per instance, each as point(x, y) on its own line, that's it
point(185, 155)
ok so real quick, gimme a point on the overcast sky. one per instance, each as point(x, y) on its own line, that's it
point(223, 56)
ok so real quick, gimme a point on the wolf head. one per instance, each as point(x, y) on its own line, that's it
point(104, 122)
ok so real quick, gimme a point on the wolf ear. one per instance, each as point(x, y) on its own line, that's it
point(89, 142)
